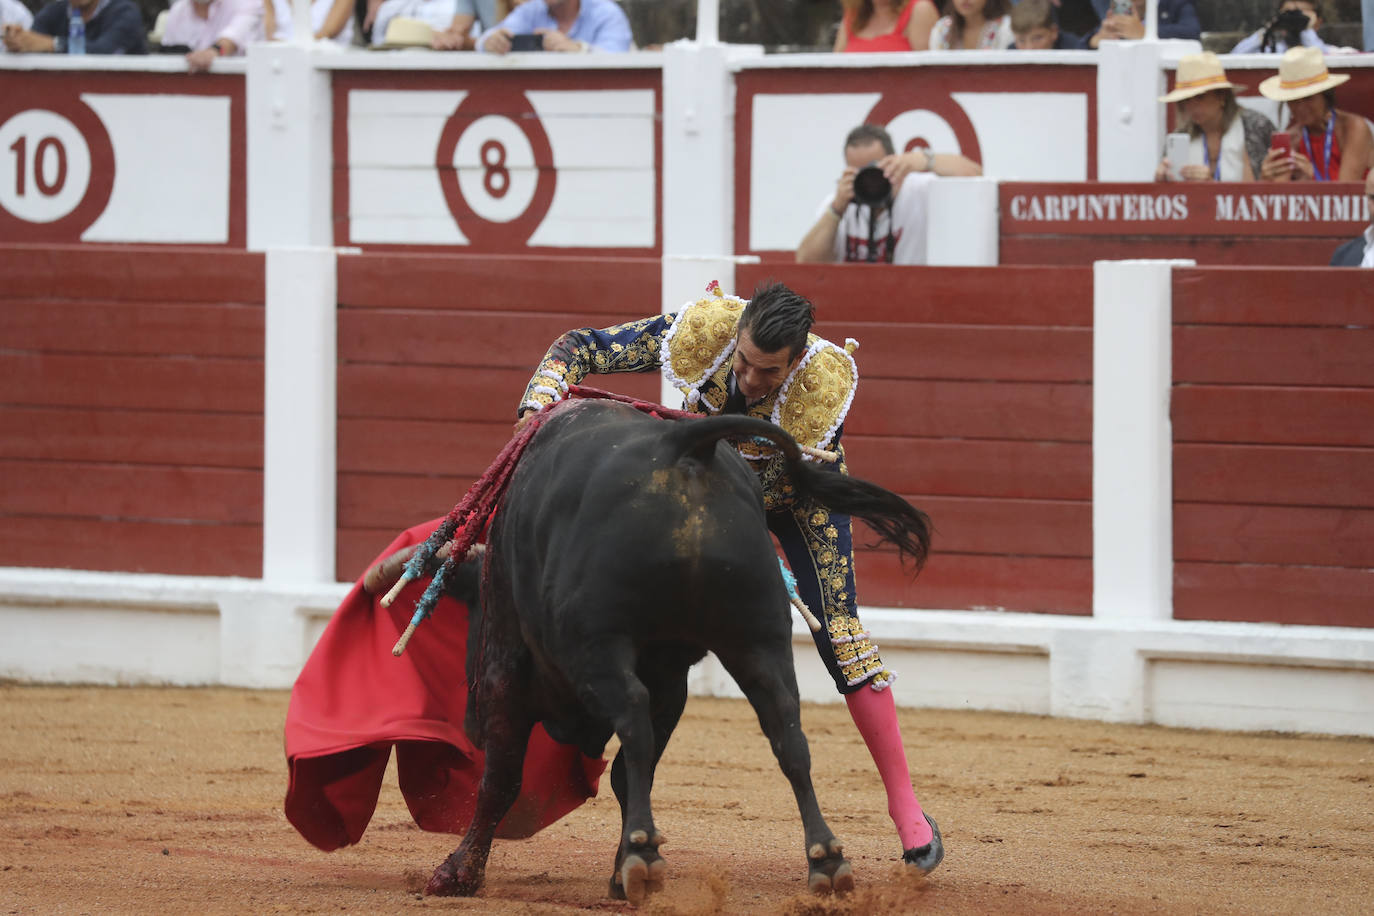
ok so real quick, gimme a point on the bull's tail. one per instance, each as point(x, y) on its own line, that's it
point(894, 519)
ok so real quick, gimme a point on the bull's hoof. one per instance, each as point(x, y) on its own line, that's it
point(446, 882)
point(639, 878)
point(830, 872)
point(925, 858)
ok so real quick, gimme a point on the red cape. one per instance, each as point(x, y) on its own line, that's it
point(353, 701)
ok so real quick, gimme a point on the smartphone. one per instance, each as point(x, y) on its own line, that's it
point(1281, 141)
point(1123, 7)
point(527, 42)
point(1176, 151)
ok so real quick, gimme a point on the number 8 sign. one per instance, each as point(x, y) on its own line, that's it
point(496, 169)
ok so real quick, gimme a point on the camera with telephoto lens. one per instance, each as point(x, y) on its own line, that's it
point(1288, 26)
point(871, 186)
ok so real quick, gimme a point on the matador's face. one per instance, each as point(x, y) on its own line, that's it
point(757, 372)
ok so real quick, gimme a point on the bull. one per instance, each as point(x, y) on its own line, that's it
point(625, 549)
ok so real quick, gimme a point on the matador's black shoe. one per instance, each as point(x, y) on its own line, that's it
point(926, 857)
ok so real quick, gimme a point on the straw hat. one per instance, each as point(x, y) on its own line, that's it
point(1302, 72)
point(407, 33)
point(1198, 73)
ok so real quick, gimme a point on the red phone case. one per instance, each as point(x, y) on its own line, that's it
point(1281, 141)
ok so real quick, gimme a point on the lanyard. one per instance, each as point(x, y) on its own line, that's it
point(1207, 158)
point(1325, 173)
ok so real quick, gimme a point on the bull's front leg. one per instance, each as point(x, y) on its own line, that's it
point(463, 872)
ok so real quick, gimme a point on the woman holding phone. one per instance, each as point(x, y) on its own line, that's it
point(1323, 144)
point(1224, 142)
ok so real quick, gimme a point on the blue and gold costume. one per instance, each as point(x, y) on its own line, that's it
point(693, 348)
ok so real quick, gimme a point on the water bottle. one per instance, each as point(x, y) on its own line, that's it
point(76, 32)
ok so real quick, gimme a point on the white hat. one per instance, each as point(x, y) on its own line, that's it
point(1198, 73)
point(1302, 72)
point(407, 33)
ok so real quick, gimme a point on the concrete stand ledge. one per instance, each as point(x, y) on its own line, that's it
point(65, 626)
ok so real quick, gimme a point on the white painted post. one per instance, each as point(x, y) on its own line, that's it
point(1130, 117)
point(302, 32)
point(290, 200)
point(708, 21)
point(963, 223)
point(698, 172)
point(299, 420)
point(1132, 440)
point(1151, 19)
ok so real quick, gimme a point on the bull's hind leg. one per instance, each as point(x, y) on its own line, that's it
point(768, 680)
point(611, 691)
point(506, 737)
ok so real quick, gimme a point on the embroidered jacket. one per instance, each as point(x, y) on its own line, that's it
point(694, 348)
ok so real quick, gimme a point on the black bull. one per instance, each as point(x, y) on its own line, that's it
point(625, 549)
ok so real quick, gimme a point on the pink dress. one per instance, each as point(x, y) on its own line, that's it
point(891, 41)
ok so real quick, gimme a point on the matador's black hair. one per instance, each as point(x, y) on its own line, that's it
point(778, 318)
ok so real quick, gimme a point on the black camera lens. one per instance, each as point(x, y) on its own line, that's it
point(871, 186)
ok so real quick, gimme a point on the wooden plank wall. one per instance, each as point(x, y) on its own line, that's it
point(975, 403)
point(434, 354)
point(131, 400)
point(1273, 415)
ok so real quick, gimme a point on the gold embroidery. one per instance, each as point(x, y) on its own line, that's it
point(854, 650)
point(815, 399)
point(704, 331)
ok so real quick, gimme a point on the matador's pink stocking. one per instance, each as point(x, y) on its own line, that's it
point(875, 714)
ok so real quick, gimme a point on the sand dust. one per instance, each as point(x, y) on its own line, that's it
point(146, 800)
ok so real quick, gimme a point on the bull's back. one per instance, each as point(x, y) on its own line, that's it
point(605, 514)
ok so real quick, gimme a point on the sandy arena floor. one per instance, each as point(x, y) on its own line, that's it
point(141, 800)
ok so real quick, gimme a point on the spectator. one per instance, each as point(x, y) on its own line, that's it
point(1359, 251)
point(213, 29)
point(973, 25)
point(13, 13)
point(1177, 19)
point(437, 14)
point(884, 218)
point(1327, 145)
point(456, 23)
point(330, 20)
point(1275, 37)
point(886, 25)
point(470, 19)
point(1227, 142)
point(566, 25)
point(1035, 27)
point(112, 27)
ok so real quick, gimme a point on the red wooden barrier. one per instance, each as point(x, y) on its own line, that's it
point(131, 396)
point(1273, 413)
point(434, 354)
point(976, 404)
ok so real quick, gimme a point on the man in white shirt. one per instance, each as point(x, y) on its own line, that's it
point(879, 214)
point(213, 29)
point(1359, 251)
point(12, 12)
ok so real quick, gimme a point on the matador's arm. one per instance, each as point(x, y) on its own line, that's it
point(631, 347)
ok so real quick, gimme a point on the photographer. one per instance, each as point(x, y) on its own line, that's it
point(878, 212)
point(1295, 23)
